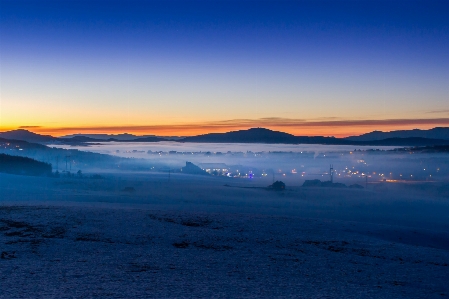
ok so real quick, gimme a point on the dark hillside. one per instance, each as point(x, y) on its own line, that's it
point(72, 159)
point(12, 144)
point(435, 133)
point(254, 135)
point(27, 136)
point(23, 165)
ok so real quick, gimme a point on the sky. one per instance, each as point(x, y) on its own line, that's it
point(331, 68)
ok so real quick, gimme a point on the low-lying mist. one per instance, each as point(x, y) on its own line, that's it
point(290, 163)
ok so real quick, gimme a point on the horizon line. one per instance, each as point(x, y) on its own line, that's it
point(296, 127)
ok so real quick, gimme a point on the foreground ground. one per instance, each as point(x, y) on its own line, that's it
point(194, 237)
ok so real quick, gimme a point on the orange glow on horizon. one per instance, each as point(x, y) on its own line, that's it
point(311, 129)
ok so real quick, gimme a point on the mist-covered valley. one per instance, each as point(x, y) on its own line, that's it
point(255, 162)
point(133, 220)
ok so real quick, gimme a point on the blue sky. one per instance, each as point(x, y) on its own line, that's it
point(183, 67)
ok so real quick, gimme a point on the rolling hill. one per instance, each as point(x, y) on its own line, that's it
point(435, 133)
point(28, 136)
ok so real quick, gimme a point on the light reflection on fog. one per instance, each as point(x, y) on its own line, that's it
point(126, 148)
point(290, 163)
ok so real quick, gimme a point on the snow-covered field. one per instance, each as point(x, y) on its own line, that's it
point(142, 236)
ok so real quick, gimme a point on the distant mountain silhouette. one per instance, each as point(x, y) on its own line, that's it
point(321, 140)
point(119, 137)
point(26, 135)
point(79, 139)
point(254, 135)
point(262, 135)
point(435, 133)
point(146, 139)
point(102, 137)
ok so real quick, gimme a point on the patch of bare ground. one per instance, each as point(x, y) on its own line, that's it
point(197, 221)
point(88, 237)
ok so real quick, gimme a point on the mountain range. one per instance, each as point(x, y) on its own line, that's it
point(435, 133)
point(118, 137)
point(28, 136)
point(435, 136)
point(261, 135)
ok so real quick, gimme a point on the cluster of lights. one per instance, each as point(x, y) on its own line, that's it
point(11, 147)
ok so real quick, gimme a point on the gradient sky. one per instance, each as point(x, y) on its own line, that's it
point(331, 68)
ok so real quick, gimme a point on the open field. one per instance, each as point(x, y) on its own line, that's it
point(141, 236)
